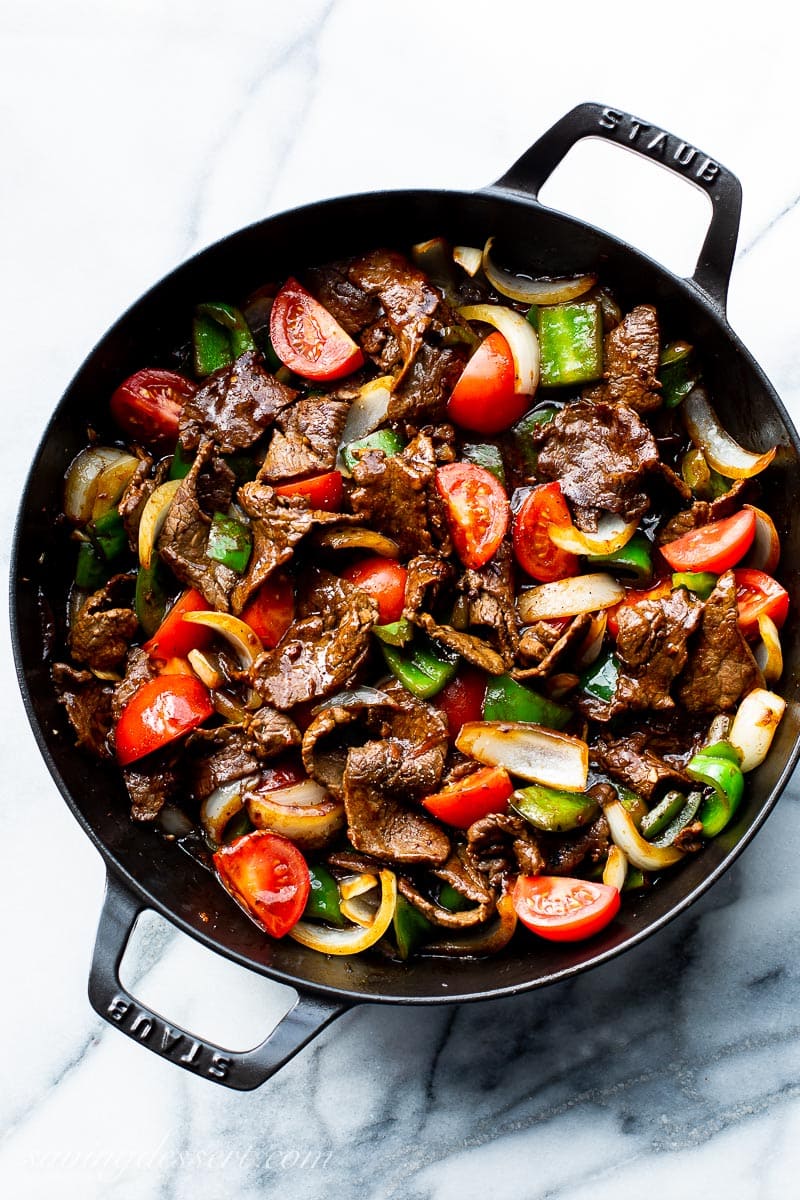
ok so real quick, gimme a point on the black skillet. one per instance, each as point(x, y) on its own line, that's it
point(144, 871)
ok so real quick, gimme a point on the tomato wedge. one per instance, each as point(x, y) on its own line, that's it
point(161, 710)
point(478, 511)
point(561, 909)
point(271, 611)
point(484, 399)
point(485, 791)
point(658, 591)
point(384, 580)
point(461, 700)
point(533, 549)
point(307, 339)
point(714, 547)
point(758, 594)
point(268, 877)
point(148, 405)
point(175, 637)
point(321, 491)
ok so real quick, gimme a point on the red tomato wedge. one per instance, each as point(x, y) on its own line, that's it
point(533, 549)
point(485, 791)
point(175, 637)
point(658, 591)
point(384, 580)
point(461, 700)
point(758, 594)
point(714, 547)
point(561, 909)
point(484, 399)
point(268, 877)
point(478, 511)
point(307, 339)
point(161, 710)
point(271, 611)
point(148, 405)
point(321, 491)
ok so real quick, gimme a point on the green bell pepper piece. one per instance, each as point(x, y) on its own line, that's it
point(702, 583)
point(395, 634)
point(657, 820)
point(323, 898)
point(721, 749)
point(600, 679)
point(521, 437)
point(107, 535)
point(554, 810)
point(181, 463)
point(151, 597)
point(240, 337)
point(237, 827)
point(677, 374)
point(219, 335)
point(91, 569)
point(451, 899)
point(686, 815)
point(382, 439)
point(507, 700)
point(484, 454)
point(634, 559)
point(421, 669)
point(634, 880)
point(229, 542)
point(411, 928)
point(727, 781)
point(570, 342)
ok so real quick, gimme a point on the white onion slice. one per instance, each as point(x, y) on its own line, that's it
point(722, 453)
point(361, 909)
point(356, 885)
point(534, 291)
point(468, 257)
point(753, 728)
point(769, 654)
point(154, 514)
point(245, 643)
point(639, 852)
point(530, 751)
point(111, 483)
point(592, 644)
point(368, 410)
point(612, 534)
point(616, 868)
point(569, 597)
point(355, 939)
point(765, 552)
point(83, 477)
point(223, 804)
point(522, 339)
point(204, 669)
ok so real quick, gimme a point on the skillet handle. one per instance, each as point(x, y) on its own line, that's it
point(713, 271)
point(242, 1070)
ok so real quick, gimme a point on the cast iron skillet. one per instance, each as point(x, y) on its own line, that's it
point(146, 871)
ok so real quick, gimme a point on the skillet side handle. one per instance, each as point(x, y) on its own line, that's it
point(713, 271)
point(241, 1070)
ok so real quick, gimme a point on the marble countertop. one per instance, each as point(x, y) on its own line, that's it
point(139, 132)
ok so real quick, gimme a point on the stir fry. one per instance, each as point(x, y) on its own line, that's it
point(433, 598)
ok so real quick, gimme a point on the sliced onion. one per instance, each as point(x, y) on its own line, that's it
point(522, 339)
point(765, 551)
point(368, 410)
point(354, 939)
point(639, 852)
point(722, 453)
point(352, 537)
point(204, 669)
point(111, 484)
point(753, 728)
point(223, 804)
point(356, 885)
point(769, 654)
point(616, 868)
point(592, 644)
point(612, 534)
point(154, 514)
point(530, 751)
point(245, 643)
point(469, 258)
point(534, 291)
point(361, 907)
point(82, 480)
point(569, 597)
point(489, 938)
point(305, 812)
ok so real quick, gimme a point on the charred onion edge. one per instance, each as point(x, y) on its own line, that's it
point(753, 728)
point(469, 258)
point(243, 640)
point(616, 868)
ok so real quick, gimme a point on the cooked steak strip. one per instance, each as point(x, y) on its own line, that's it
point(652, 648)
point(306, 440)
point(352, 307)
point(396, 495)
point(151, 783)
point(219, 756)
point(234, 406)
point(466, 918)
point(629, 760)
point(702, 513)
point(407, 297)
point(423, 392)
point(491, 605)
point(721, 667)
point(138, 670)
point(565, 854)
point(87, 702)
point(104, 627)
point(532, 646)
point(502, 845)
point(630, 363)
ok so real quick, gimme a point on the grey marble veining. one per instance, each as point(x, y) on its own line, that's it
point(135, 134)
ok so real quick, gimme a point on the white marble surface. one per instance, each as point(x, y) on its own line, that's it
point(136, 133)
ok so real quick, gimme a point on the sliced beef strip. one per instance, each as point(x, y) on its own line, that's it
point(460, 873)
point(721, 667)
point(152, 782)
point(87, 702)
point(503, 845)
point(138, 491)
point(423, 393)
point(702, 512)
point(466, 918)
point(491, 606)
point(630, 362)
point(652, 648)
point(332, 732)
point(602, 455)
point(533, 645)
point(409, 300)
point(471, 648)
point(182, 543)
point(629, 760)
point(352, 307)
point(306, 440)
point(272, 731)
point(564, 855)
point(396, 495)
point(427, 574)
point(219, 756)
point(104, 626)
point(138, 670)
point(234, 406)
point(324, 646)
